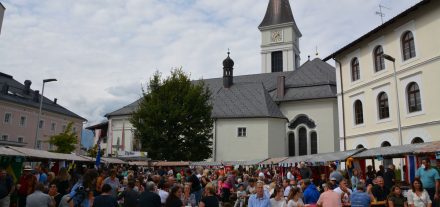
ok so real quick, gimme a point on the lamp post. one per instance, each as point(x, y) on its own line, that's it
point(399, 124)
point(41, 106)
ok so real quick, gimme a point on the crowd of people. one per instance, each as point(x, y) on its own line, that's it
point(213, 187)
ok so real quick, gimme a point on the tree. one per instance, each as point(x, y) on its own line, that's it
point(173, 120)
point(65, 141)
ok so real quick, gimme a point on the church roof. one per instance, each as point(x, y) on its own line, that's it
point(278, 12)
point(255, 95)
point(16, 95)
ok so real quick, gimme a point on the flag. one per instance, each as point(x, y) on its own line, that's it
point(411, 167)
point(98, 156)
point(123, 136)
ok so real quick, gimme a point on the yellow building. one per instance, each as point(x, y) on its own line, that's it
point(393, 68)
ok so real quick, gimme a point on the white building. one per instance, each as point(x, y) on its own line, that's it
point(286, 110)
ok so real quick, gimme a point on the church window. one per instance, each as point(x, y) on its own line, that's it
point(358, 112)
point(314, 143)
point(417, 140)
point(413, 94)
point(241, 132)
point(360, 146)
point(291, 144)
point(379, 62)
point(408, 47)
point(302, 134)
point(384, 110)
point(355, 71)
point(277, 61)
point(385, 144)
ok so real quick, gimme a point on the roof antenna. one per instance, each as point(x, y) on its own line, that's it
point(380, 12)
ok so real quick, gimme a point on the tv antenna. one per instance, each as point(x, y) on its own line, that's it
point(380, 12)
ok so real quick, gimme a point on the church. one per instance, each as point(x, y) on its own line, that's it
point(287, 110)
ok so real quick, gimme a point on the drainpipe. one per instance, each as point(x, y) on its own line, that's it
point(214, 148)
point(342, 97)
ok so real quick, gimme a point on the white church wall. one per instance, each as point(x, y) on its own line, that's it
point(277, 138)
point(119, 127)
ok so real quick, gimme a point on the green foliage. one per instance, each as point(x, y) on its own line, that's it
point(173, 120)
point(65, 141)
point(92, 152)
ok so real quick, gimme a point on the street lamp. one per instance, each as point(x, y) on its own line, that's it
point(41, 106)
point(399, 124)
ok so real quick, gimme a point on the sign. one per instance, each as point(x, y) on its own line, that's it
point(132, 154)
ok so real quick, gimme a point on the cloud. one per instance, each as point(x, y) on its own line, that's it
point(100, 51)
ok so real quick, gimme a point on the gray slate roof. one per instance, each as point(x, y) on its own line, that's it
point(255, 95)
point(16, 95)
point(278, 12)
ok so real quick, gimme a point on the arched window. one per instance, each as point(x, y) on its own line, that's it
point(314, 143)
point(358, 114)
point(379, 62)
point(355, 71)
point(291, 144)
point(302, 135)
point(382, 102)
point(413, 94)
point(360, 146)
point(408, 48)
point(385, 144)
point(417, 140)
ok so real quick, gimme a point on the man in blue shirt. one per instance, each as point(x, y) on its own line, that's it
point(430, 179)
point(259, 199)
point(359, 198)
point(311, 193)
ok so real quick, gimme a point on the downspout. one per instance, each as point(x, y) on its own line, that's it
point(343, 108)
point(214, 148)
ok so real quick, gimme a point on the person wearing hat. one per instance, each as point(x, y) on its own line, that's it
point(26, 185)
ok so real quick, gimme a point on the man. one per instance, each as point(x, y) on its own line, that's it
point(328, 198)
point(259, 199)
point(360, 198)
point(389, 176)
point(113, 181)
point(149, 197)
point(106, 199)
point(163, 191)
point(304, 171)
point(311, 193)
point(42, 178)
point(381, 171)
point(6, 187)
point(54, 194)
point(26, 185)
point(286, 186)
point(39, 199)
point(171, 181)
point(344, 192)
point(380, 192)
point(430, 179)
point(130, 196)
point(196, 187)
point(334, 173)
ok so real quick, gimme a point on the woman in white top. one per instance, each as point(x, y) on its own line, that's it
point(277, 198)
point(294, 198)
point(418, 197)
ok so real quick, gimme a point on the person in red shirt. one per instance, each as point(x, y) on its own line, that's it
point(26, 185)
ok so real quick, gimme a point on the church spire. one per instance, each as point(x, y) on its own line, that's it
point(228, 67)
point(278, 12)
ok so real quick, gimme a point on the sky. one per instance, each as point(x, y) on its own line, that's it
point(104, 51)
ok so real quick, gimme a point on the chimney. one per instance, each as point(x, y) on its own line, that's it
point(55, 101)
point(27, 87)
point(36, 96)
point(280, 86)
point(5, 89)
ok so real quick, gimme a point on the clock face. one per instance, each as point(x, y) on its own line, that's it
point(277, 36)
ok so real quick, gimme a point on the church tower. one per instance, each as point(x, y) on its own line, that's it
point(279, 38)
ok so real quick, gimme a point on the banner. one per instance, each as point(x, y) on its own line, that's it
point(411, 167)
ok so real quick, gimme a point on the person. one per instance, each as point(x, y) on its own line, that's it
point(241, 196)
point(322, 180)
point(334, 173)
point(186, 195)
point(344, 192)
point(294, 198)
point(305, 171)
point(163, 191)
point(26, 185)
point(6, 187)
point(430, 179)
point(370, 175)
point(259, 199)
point(42, 178)
point(380, 192)
point(129, 195)
point(290, 176)
point(66, 201)
point(100, 180)
point(196, 187)
point(113, 181)
point(355, 178)
point(53, 192)
point(277, 198)
point(251, 187)
point(360, 198)
point(138, 187)
point(62, 181)
point(329, 198)
point(311, 193)
point(417, 196)
point(396, 199)
point(173, 199)
point(39, 199)
point(80, 192)
point(381, 171)
point(209, 200)
point(286, 186)
point(106, 199)
point(149, 197)
point(389, 176)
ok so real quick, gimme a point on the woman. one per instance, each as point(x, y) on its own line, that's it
point(62, 181)
point(294, 200)
point(371, 174)
point(277, 198)
point(354, 179)
point(209, 200)
point(186, 195)
point(396, 199)
point(173, 199)
point(417, 196)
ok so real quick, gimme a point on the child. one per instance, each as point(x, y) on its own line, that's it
point(241, 196)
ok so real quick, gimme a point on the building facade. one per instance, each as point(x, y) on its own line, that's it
point(19, 108)
point(387, 81)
